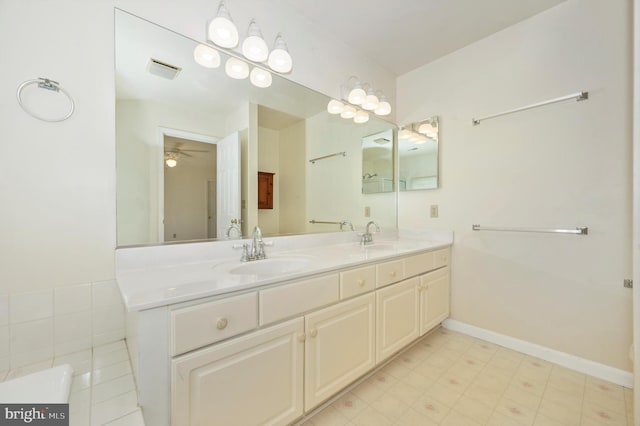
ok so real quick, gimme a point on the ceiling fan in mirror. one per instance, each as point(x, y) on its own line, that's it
point(171, 156)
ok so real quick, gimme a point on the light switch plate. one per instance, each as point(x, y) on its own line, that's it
point(433, 211)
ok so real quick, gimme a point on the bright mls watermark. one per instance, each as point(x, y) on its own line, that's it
point(34, 414)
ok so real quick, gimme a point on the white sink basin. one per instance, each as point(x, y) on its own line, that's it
point(271, 266)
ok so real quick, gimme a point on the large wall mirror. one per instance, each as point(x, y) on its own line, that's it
point(191, 141)
point(418, 155)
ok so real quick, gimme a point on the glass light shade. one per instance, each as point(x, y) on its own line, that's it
point(357, 95)
point(335, 107)
point(171, 162)
point(384, 108)
point(260, 78)
point(370, 102)
point(361, 117)
point(206, 56)
point(235, 68)
point(348, 112)
point(221, 30)
point(414, 137)
point(279, 58)
point(254, 47)
point(420, 139)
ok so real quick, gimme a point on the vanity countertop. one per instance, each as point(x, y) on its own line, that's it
point(155, 276)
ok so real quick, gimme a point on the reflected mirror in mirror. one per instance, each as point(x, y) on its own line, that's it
point(162, 113)
point(377, 162)
point(418, 155)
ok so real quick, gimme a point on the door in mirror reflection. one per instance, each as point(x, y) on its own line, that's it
point(377, 162)
point(418, 155)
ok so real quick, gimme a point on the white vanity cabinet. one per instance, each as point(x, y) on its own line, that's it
point(396, 317)
point(339, 347)
point(254, 379)
point(434, 298)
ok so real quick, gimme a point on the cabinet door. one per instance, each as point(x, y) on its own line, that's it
point(434, 299)
point(396, 317)
point(255, 379)
point(339, 347)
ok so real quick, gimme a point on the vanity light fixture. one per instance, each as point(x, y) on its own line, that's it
point(384, 107)
point(236, 68)
point(371, 101)
point(354, 100)
point(260, 78)
point(221, 30)
point(279, 58)
point(206, 56)
point(254, 47)
point(357, 95)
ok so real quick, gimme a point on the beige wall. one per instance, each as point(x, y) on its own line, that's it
point(561, 165)
point(268, 161)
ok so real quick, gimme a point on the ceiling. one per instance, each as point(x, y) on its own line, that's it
point(405, 34)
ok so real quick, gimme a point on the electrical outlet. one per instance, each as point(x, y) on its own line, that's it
point(367, 211)
point(433, 211)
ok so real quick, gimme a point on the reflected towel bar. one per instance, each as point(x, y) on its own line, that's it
point(577, 231)
point(313, 160)
point(323, 222)
point(580, 96)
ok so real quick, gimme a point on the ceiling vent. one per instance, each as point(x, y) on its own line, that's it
point(162, 69)
point(381, 141)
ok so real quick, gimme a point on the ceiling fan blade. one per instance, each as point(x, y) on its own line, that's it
point(194, 150)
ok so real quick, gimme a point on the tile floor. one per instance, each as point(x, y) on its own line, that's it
point(103, 391)
point(453, 379)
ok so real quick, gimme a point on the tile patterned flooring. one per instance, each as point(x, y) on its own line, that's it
point(103, 391)
point(452, 379)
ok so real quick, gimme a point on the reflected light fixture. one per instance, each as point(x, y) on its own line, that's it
point(221, 29)
point(361, 117)
point(171, 159)
point(279, 58)
point(348, 112)
point(206, 56)
point(254, 47)
point(335, 107)
point(236, 68)
point(260, 78)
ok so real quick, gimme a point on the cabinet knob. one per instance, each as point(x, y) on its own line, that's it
point(361, 282)
point(302, 337)
point(392, 273)
point(313, 333)
point(222, 323)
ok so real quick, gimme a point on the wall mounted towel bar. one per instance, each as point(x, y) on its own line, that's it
point(580, 96)
point(577, 231)
point(313, 160)
point(323, 222)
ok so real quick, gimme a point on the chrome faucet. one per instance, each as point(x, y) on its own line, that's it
point(257, 245)
point(233, 226)
point(367, 237)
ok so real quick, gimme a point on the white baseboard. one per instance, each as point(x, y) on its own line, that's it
point(595, 369)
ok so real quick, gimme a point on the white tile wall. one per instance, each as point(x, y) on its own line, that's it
point(37, 326)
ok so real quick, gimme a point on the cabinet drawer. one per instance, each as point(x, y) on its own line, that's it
point(200, 325)
point(389, 273)
point(293, 299)
point(357, 281)
point(441, 258)
point(419, 264)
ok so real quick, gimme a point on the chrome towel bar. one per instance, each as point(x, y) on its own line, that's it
point(313, 160)
point(583, 230)
point(580, 96)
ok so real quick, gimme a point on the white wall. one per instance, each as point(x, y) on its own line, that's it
point(138, 154)
point(291, 183)
point(562, 165)
point(269, 161)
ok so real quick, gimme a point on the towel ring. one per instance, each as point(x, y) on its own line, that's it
point(45, 83)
